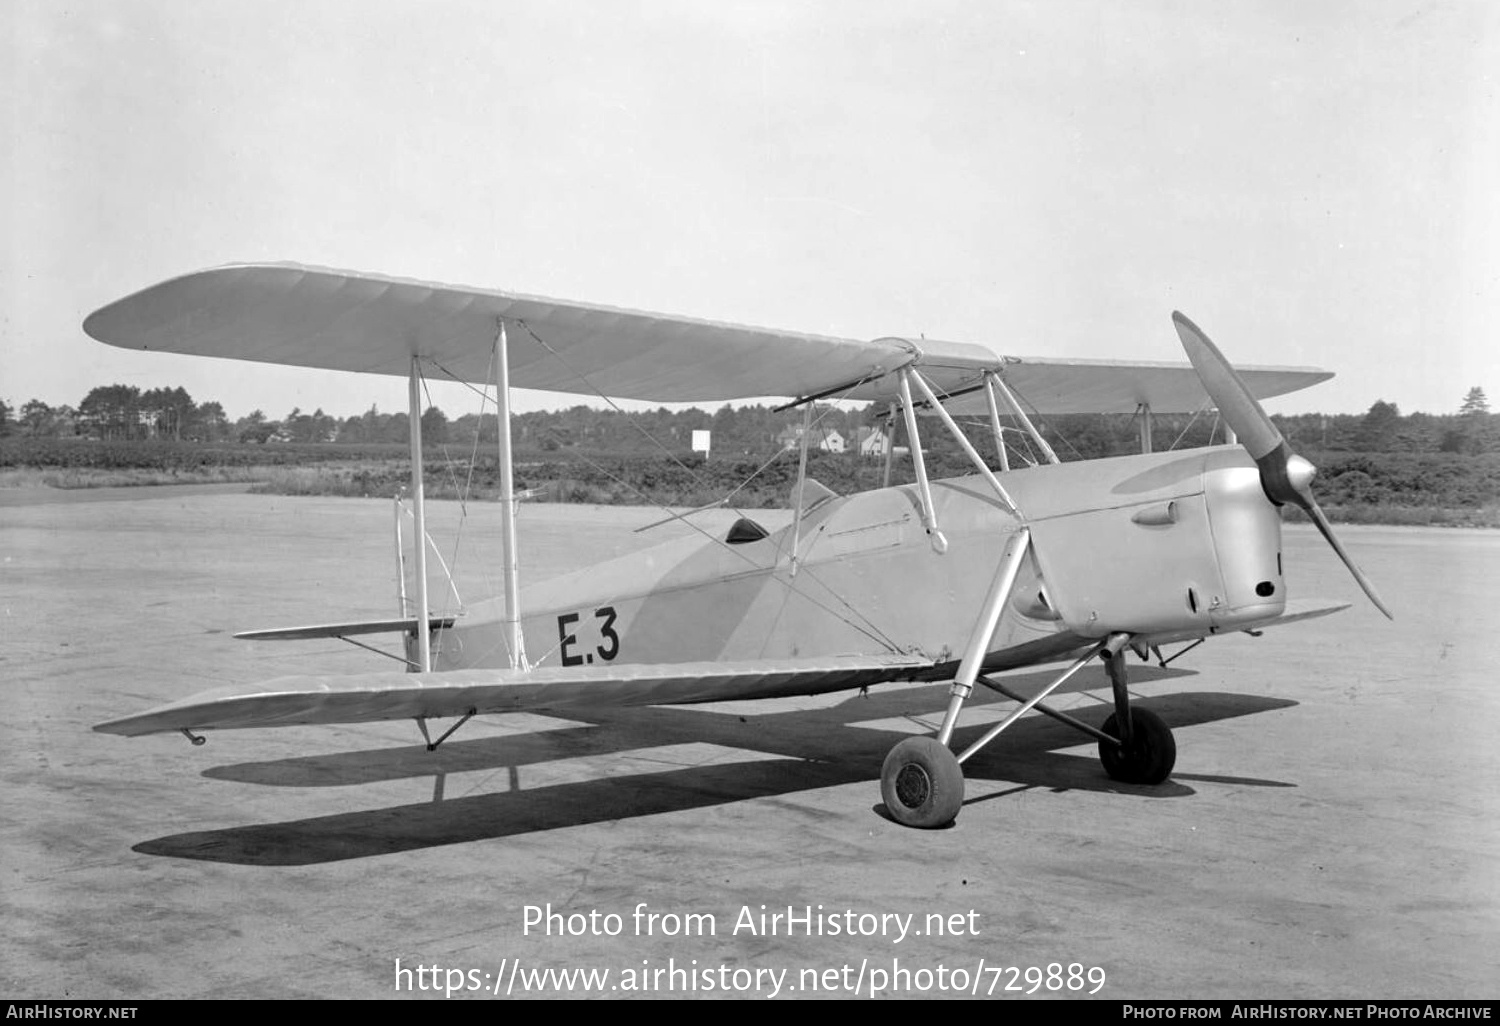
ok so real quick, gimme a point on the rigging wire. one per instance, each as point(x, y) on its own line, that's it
point(1183, 434)
point(461, 492)
point(1038, 415)
point(613, 405)
point(870, 630)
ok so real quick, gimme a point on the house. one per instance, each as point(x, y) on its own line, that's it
point(871, 441)
point(827, 439)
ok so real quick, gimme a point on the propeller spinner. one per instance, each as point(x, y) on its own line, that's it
point(1285, 476)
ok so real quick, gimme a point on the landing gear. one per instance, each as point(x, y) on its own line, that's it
point(1149, 755)
point(921, 783)
point(922, 780)
point(1146, 751)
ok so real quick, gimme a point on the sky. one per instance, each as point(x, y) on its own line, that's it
point(1312, 183)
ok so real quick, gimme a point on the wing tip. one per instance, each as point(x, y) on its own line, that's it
point(120, 727)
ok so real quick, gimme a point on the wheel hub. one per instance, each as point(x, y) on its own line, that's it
point(913, 786)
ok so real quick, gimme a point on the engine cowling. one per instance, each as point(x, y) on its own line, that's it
point(1158, 543)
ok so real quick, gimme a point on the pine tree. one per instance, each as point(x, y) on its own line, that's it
point(1377, 432)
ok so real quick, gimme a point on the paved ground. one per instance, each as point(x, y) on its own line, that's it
point(1332, 830)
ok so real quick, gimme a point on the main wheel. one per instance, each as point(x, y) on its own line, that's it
point(1151, 754)
point(922, 783)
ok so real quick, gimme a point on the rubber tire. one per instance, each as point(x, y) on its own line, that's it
point(922, 783)
point(1152, 754)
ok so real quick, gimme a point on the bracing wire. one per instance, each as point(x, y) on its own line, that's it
point(1038, 416)
point(1188, 427)
point(462, 492)
point(613, 405)
point(869, 628)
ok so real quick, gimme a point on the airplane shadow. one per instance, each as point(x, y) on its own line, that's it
point(809, 749)
point(627, 729)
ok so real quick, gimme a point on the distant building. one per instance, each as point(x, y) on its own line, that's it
point(871, 441)
point(826, 439)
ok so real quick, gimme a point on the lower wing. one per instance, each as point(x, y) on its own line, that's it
point(357, 698)
point(1298, 610)
point(406, 625)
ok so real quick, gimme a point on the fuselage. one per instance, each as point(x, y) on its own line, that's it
point(1165, 545)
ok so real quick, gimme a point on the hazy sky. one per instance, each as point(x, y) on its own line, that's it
point(1313, 183)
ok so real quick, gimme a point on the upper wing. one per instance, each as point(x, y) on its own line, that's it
point(289, 701)
point(1107, 386)
point(342, 320)
point(314, 317)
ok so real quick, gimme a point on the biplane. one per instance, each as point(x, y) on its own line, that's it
point(955, 580)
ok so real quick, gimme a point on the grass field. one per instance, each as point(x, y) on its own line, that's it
point(1415, 489)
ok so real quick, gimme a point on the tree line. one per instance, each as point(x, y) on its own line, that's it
point(124, 412)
